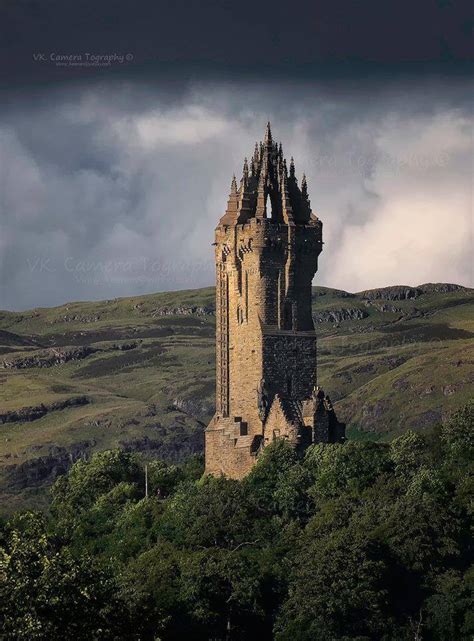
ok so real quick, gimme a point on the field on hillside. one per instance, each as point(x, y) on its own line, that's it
point(138, 373)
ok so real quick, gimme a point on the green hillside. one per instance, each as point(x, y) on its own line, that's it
point(138, 373)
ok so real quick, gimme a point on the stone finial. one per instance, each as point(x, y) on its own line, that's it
point(304, 189)
point(268, 134)
point(245, 171)
point(256, 154)
point(292, 167)
point(255, 162)
point(232, 203)
point(233, 186)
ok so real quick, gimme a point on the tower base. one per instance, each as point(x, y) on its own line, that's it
point(232, 451)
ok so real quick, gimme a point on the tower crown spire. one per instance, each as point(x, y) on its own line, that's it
point(268, 179)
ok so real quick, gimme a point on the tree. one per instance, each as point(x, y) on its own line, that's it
point(48, 594)
point(457, 434)
point(347, 468)
point(88, 480)
point(409, 452)
point(338, 590)
point(222, 590)
point(450, 608)
point(215, 512)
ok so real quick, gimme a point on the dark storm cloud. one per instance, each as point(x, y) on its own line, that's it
point(220, 38)
point(113, 172)
point(114, 190)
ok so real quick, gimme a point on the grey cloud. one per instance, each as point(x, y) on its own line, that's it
point(113, 191)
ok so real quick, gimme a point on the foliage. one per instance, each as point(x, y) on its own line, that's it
point(45, 591)
point(356, 542)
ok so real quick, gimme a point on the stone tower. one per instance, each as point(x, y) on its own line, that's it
point(266, 246)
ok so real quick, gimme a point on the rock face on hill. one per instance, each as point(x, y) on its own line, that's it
point(28, 414)
point(195, 310)
point(49, 358)
point(325, 291)
point(442, 288)
point(40, 470)
point(404, 292)
point(398, 292)
point(340, 315)
point(12, 339)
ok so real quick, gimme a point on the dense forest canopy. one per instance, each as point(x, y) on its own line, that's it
point(356, 542)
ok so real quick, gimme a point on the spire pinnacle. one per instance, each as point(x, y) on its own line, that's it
point(304, 186)
point(232, 204)
point(268, 134)
point(246, 170)
point(292, 168)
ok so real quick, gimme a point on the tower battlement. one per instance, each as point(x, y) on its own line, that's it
point(266, 251)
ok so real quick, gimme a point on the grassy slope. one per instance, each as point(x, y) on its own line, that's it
point(387, 371)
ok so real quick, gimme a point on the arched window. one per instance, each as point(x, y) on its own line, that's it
point(268, 207)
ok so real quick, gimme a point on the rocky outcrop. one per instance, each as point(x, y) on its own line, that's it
point(442, 288)
point(401, 385)
point(195, 407)
point(339, 315)
point(125, 347)
point(9, 338)
point(174, 451)
point(322, 291)
point(427, 419)
point(194, 310)
point(393, 361)
point(76, 318)
point(397, 292)
point(50, 357)
point(43, 470)
point(364, 368)
point(28, 414)
point(372, 415)
point(384, 307)
point(449, 390)
point(405, 292)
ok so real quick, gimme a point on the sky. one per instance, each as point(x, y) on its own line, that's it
point(115, 171)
